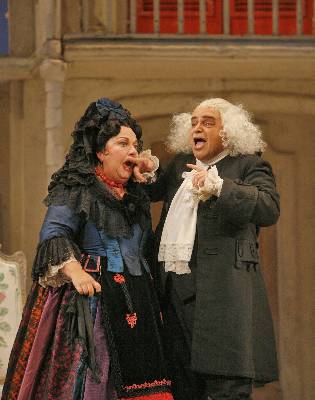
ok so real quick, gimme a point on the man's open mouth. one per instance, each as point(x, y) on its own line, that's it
point(199, 142)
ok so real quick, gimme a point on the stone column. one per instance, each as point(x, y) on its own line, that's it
point(53, 72)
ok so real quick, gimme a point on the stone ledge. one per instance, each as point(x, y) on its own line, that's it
point(149, 60)
point(16, 68)
point(78, 48)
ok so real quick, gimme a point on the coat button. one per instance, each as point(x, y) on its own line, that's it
point(211, 251)
point(131, 207)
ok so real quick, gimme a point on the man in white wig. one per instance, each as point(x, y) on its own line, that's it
point(217, 193)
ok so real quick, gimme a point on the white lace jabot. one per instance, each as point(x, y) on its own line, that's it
point(179, 229)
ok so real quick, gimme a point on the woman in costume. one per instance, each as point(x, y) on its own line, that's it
point(91, 326)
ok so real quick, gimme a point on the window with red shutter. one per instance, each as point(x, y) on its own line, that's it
point(169, 16)
point(263, 17)
point(214, 17)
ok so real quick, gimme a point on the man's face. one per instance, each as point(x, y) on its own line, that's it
point(205, 139)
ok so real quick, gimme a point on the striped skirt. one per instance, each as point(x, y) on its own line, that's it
point(48, 362)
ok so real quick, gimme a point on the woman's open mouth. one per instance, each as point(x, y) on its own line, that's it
point(128, 166)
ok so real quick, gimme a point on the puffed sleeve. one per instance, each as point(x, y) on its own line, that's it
point(253, 199)
point(57, 242)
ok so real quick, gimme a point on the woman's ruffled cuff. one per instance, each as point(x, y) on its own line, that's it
point(52, 253)
point(54, 277)
point(150, 176)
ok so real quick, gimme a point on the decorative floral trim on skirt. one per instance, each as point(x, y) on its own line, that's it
point(132, 320)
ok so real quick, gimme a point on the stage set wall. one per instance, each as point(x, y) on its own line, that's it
point(47, 82)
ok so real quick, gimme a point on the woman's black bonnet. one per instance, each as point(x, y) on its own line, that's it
point(101, 121)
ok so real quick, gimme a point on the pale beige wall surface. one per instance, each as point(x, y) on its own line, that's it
point(4, 164)
point(34, 164)
point(291, 150)
point(22, 24)
point(26, 154)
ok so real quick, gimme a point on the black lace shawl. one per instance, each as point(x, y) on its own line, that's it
point(77, 186)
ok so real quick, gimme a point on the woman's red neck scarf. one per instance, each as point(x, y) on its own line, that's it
point(117, 188)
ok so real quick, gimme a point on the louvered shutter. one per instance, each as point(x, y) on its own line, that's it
point(263, 17)
point(169, 16)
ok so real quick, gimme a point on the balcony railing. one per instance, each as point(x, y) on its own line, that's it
point(221, 17)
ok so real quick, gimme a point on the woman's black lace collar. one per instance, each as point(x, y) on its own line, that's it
point(92, 200)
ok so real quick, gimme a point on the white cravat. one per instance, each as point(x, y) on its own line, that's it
point(179, 229)
point(215, 159)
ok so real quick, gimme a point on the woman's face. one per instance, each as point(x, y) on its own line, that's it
point(117, 155)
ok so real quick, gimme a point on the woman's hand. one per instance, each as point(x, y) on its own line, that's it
point(82, 281)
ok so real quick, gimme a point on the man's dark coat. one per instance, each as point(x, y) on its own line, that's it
point(232, 332)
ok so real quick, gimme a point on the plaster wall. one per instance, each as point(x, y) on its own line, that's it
point(4, 165)
point(27, 161)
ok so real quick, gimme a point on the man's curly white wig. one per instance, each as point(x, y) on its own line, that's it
point(239, 134)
